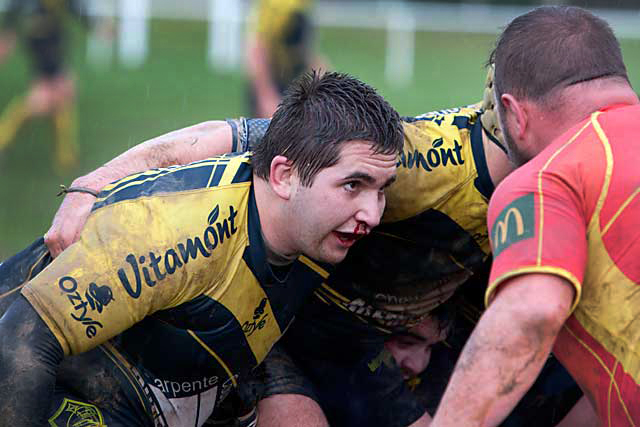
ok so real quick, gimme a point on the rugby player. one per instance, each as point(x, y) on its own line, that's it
point(52, 92)
point(564, 227)
point(279, 49)
point(433, 238)
point(184, 277)
point(414, 261)
point(411, 349)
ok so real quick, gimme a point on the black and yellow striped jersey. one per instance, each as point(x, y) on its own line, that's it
point(433, 235)
point(171, 279)
point(284, 26)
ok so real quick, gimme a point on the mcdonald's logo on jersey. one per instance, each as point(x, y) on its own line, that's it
point(515, 223)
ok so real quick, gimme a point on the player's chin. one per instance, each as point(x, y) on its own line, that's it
point(332, 253)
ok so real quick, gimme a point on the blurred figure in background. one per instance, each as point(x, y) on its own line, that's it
point(280, 48)
point(40, 23)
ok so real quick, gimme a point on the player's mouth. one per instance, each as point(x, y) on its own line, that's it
point(347, 239)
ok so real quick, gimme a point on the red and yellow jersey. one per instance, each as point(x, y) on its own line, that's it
point(574, 211)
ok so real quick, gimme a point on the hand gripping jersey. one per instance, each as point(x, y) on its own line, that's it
point(574, 211)
point(284, 26)
point(171, 281)
point(433, 234)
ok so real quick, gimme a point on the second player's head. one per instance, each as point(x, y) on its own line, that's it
point(546, 52)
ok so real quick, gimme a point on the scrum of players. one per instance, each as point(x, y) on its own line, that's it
point(424, 293)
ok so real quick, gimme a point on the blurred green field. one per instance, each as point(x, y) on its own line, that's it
point(119, 107)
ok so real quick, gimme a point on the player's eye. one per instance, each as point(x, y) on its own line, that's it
point(406, 342)
point(351, 186)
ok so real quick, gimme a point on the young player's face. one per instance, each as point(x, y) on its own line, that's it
point(412, 351)
point(343, 204)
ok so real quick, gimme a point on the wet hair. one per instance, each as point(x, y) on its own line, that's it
point(320, 113)
point(445, 314)
point(554, 47)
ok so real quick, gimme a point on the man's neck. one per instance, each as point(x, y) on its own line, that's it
point(576, 103)
point(273, 224)
point(275, 258)
point(497, 161)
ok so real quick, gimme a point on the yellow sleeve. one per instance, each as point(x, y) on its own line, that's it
point(136, 257)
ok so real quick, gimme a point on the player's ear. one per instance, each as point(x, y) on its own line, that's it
point(517, 113)
point(281, 177)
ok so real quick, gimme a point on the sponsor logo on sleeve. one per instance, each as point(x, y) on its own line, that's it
point(156, 267)
point(96, 298)
point(514, 224)
point(149, 270)
point(432, 158)
point(259, 319)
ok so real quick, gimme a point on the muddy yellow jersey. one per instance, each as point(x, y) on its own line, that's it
point(433, 235)
point(171, 280)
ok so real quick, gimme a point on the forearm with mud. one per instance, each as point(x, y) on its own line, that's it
point(182, 146)
point(504, 354)
point(186, 145)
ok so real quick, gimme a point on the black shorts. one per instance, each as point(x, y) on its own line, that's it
point(47, 52)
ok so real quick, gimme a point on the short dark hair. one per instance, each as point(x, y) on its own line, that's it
point(553, 47)
point(318, 114)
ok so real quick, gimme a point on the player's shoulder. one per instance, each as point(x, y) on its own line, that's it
point(273, 15)
point(442, 156)
point(438, 128)
point(521, 181)
point(460, 117)
point(554, 175)
point(226, 175)
point(284, 5)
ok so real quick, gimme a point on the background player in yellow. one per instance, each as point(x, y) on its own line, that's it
point(41, 24)
point(185, 277)
point(279, 48)
point(472, 162)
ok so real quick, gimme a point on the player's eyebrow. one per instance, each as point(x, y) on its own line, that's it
point(360, 176)
point(368, 178)
point(409, 334)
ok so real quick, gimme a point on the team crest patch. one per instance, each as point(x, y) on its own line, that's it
point(77, 414)
point(515, 223)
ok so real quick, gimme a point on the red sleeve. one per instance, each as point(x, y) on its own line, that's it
point(537, 224)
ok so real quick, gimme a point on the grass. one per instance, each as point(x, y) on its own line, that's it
point(119, 107)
